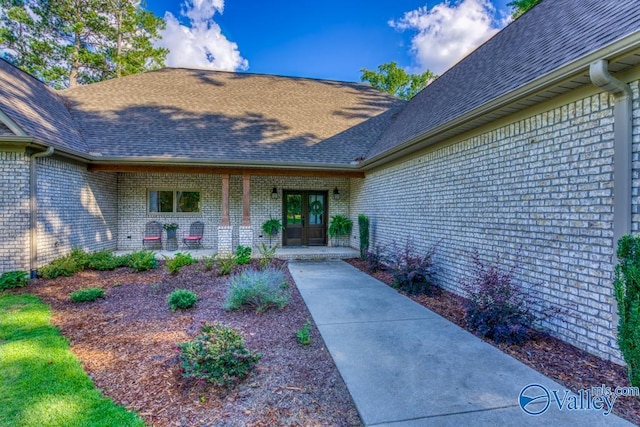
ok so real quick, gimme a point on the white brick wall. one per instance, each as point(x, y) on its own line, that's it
point(539, 187)
point(132, 199)
point(14, 211)
point(132, 206)
point(76, 208)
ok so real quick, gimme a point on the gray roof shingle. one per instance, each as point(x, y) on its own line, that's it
point(37, 109)
point(222, 116)
point(552, 34)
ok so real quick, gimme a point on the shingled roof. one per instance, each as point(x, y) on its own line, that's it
point(37, 109)
point(552, 34)
point(230, 117)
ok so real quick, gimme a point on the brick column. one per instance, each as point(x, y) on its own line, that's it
point(225, 231)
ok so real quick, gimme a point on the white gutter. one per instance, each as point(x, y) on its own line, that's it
point(33, 210)
point(622, 129)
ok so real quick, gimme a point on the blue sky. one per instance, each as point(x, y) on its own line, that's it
point(331, 39)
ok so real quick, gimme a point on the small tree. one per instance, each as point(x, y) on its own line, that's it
point(363, 226)
point(627, 291)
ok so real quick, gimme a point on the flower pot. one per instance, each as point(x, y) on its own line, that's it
point(171, 234)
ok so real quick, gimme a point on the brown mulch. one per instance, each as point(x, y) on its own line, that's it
point(127, 343)
point(570, 366)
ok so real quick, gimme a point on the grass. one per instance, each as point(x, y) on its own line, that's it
point(41, 381)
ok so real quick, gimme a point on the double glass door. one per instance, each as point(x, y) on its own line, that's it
point(305, 218)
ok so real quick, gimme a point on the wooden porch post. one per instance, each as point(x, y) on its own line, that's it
point(246, 200)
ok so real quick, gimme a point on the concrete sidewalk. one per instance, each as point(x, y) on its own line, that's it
point(406, 366)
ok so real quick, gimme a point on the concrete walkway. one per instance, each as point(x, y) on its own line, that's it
point(406, 366)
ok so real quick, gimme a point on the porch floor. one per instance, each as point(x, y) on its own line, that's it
point(290, 252)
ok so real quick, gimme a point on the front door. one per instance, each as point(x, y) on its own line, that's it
point(304, 218)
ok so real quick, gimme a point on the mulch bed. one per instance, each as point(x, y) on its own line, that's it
point(574, 368)
point(127, 343)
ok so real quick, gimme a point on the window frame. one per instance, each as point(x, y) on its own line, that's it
point(174, 203)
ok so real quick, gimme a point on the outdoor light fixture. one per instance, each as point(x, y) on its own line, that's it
point(274, 193)
point(336, 194)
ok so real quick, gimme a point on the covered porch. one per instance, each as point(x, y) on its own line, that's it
point(233, 205)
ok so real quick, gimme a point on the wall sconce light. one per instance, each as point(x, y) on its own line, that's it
point(336, 194)
point(274, 193)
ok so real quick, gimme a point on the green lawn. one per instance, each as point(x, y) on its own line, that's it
point(41, 381)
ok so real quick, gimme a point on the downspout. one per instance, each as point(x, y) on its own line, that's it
point(33, 210)
point(622, 128)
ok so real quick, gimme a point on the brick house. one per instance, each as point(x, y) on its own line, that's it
point(528, 148)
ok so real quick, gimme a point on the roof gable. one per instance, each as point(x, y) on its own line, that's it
point(37, 110)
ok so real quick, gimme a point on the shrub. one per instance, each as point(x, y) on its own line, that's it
point(65, 266)
point(105, 260)
point(375, 259)
point(181, 299)
point(243, 254)
point(267, 254)
point(87, 294)
point(303, 333)
point(143, 260)
point(413, 273)
point(179, 260)
point(217, 355)
point(226, 264)
point(496, 307)
point(260, 289)
point(208, 262)
point(13, 279)
point(363, 227)
point(80, 258)
point(627, 292)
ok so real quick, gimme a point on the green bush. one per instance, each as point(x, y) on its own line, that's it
point(243, 254)
point(87, 294)
point(303, 333)
point(363, 227)
point(143, 260)
point(627, 291)
point(259, 289)
point(208, 262)
point(105, 260)
point(217, 355)
point(267, 255)
point(80, 257)
point(226, 264)
point(178, 261)
point(181, 299)
point(13, 279)
point(65, 266)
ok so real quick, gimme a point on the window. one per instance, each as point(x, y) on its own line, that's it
point(174, 201)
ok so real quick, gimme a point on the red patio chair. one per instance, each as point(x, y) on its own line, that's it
point(152, 235)
point(194, 239)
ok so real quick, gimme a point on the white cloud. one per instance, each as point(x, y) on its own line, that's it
point(448, 32)
point(201, 44)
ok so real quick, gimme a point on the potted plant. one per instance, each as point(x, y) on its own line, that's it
point(271, 227)
point(171, 228)
point(340, 226)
